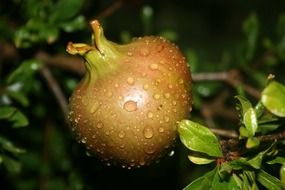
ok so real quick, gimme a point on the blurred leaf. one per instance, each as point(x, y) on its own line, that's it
point(9, 146)
point(249, 115)
point(169, 35)
point(281, 25)
point(24, 71)
point(19, 119)
point(6, 112)
point(66, 9)
point(200, 160)
point(273, 98)
point(13, 166)
point(251, 30)
point(146, 16)
point(19, 97)
point(269, 181)
point(193, 59)
point(199, 138)
point(73, 25)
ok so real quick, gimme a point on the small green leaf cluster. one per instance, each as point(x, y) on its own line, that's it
point(46, 20)
point(242, 167)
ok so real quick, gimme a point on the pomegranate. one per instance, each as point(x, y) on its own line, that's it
point(126, 107)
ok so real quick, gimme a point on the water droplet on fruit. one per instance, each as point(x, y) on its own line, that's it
point(171, 153)
point(148, 132)
point(130, 54)
point(150, 115)
point(167, 95)
point(145, 86)
point(166, 118)
point(122, 134)
point(83, 140)
point(131, 81)
point(142, 162)
point(156, 96)
point(161, 129)
point(116, 85)
point(181, 81)
point(130, 106)
point(174, 102)
point(170, 86)
point(153, 66)
point(99, 125)
point(144, 52)
point(109, 94)
point(149, 149)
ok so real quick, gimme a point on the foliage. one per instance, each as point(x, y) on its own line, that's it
point(238, 42)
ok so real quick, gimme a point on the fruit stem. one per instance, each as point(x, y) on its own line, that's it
point(100, 56)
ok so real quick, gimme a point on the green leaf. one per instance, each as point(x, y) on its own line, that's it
point(24, 71)
point(268, 181)
point(252, 142)
point(273, 98)
point(203, 182)
point(9, 146)
point(199, 138)
point(73, 25)
point(19, 97)
point(277, 160)
point(12, 165)
point(251, 29)
point(199, 160)
point(256, 162)
point(6, 112)
point(282, 175)
point(212, 181)
point(19, 119)
point(249, 116)
point(66, 9)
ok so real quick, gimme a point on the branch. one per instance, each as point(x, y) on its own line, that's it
point(232, 77)
point(56, 90)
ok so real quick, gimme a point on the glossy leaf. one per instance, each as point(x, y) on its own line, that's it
point(199, 138)
point(268, 181)
point(199, 160)
point(252, 142)
point(277, 160)
point(248, 116)
point(273, 98)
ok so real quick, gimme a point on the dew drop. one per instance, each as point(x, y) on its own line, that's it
point(109, 94)
point(131, 81)
point(171, 153)
point(153, 66)
point(150, 115)
point(116, 85)
point(88, 153)
point(149, 149)
point(170, 86)
point(142, 162)
point(122, 134)
point(130, 106)
point(148, 132)
point(156, 96)
point(122, 146)
point(83, 140)
point(145, 86)
point(144, 52)
point(180, 81)
point(100, 125)
point(130, 54)
point(161, 129)
point(166, 118)
point(167, 95)
point(174, 102)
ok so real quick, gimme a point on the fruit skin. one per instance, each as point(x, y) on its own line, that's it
point(126, 108)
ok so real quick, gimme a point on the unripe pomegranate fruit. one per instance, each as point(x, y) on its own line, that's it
point(126, 108)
